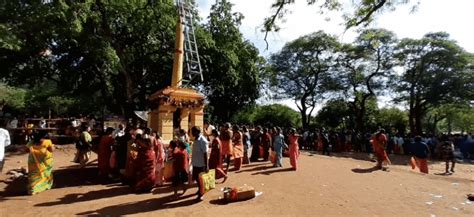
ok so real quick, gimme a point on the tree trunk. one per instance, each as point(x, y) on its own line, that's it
point(418, 121)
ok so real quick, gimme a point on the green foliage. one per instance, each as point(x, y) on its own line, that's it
point(335, 114)
point(302, 70)
point(14, 98)
point(389, 118)
point(363, 12)
point(437, 71)
point(269, 115)
point(231, 64)
point(117, 53)
point(61, 104)
point(449, 118)
point(364, 69)
point(112, 55)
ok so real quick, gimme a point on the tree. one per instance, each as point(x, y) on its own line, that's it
point(436, 71)
point(12, 98)
point(365, 67)
point(114, 52)
point(392, 118)
point(449, 118)
point(269, 115)
point(301, 70)
point(231, 65)
point(364, 11)
point(335, 114)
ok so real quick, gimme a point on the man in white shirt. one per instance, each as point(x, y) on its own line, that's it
point(4, 142)
point(119, 132)
point(208, 131)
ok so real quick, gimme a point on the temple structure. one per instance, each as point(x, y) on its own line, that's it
point(176, 107)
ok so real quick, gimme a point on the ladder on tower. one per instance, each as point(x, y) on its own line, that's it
point(193, 70)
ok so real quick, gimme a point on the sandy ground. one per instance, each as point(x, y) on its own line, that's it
point(342, 185)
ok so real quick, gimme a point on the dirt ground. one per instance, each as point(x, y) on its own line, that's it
point(342, 185)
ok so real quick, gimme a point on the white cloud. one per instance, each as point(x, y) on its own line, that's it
point(454, 17)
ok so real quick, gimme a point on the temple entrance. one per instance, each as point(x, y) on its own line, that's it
point(177, 119)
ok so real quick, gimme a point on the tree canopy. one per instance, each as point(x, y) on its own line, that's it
point(111, 55)
point(302, 70)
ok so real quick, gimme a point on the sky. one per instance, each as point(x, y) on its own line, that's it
point(455, 17)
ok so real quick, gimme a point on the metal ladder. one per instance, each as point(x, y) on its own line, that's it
point(191, 54)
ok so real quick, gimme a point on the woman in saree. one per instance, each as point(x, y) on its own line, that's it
point(104, 153)
point(40, 164)
point(294, 148)
point(144, 164)
point(215, 159)
point(279, 146)
point(226, 144)
point(160, 157)
point(237, 141)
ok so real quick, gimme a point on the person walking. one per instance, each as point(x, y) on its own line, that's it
point(294, 151)
point(84, 146)
point(379, 143)
point(40, 163)
point(279, 146)
point(447, 153)
point(420, 152)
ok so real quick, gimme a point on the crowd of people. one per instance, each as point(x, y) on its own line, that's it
point(138, 157)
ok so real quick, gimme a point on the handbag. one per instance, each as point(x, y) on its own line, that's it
point(207, 181)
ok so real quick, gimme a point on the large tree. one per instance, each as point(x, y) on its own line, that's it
point(231, 64)
point(436, 71)
point(302, 70)
point(362, 12)
point(365, 67)
point(110, 53)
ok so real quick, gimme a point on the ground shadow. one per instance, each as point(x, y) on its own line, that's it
point(269, 172)
point(63, 178)
point(367, 170)
point(224, 202)
point(14, 188)
point(443, 174)
point(395, 159)
point(89, 196)
point(149, 205)
point(257, 168)
point(169, 188)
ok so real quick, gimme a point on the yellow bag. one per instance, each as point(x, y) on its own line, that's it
point(207, 181)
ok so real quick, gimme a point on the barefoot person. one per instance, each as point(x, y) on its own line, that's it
point(199, 156)
point(420, 152)
point(294, 148)
point(278, 147)
point(238, 149)
point(84, 146)
point(104, 153)
point(145, 164)
point(447, 153)
point(379, 142)
point(215, 159)
point(180, 166)
point(160, 156)
point(226, 148)
point(40, 164)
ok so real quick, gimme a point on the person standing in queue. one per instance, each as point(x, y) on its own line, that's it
point(199, 159)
